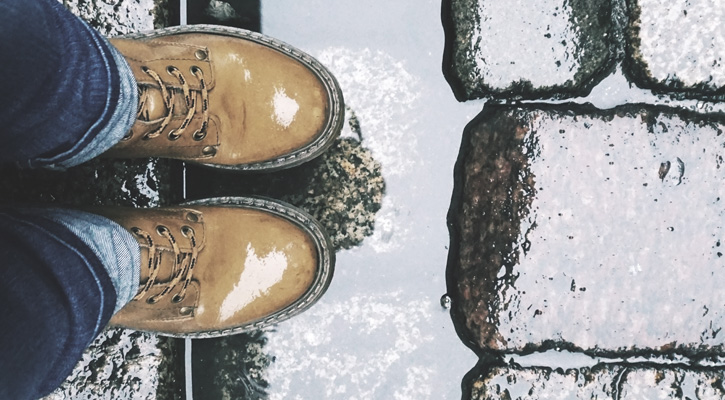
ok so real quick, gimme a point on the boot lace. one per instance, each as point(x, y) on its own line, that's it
point(169, 94)
point(184, 263)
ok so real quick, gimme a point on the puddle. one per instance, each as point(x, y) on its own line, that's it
point(382, 192)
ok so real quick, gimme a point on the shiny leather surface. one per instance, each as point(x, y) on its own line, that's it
point(250, 265)
point(263, 104)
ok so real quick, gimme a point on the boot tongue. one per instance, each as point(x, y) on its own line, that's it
point(166, 271)
point(155, 106)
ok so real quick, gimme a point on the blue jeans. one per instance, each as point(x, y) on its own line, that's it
point(67, 96)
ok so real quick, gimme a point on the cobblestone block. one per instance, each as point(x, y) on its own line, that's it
point(602, 382)
point(677, 47)
point(525, 48)
point(594, 231)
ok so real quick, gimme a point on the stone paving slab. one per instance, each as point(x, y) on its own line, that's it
point(527, 48)
point(601, 382)
point(677, 46)
point(588, 230)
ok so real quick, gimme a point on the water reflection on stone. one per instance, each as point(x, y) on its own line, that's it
point(569, 234)
point(601, 382)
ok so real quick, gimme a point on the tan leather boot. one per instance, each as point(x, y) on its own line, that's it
point(228, 98)
point(223, 266)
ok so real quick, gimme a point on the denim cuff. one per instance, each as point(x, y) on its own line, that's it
point(112, 244)
point(107, 130)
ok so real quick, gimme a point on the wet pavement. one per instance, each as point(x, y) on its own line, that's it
point(575, 229)
point(380, 330)
point(575, 213)
point(586, 256)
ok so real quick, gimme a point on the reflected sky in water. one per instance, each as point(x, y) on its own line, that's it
point(380, 331)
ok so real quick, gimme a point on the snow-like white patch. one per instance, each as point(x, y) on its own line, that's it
point(285, 108)
point(257, 278)
point(146, 193)
point(385, 98)
point(390, 233)
point(390, 329)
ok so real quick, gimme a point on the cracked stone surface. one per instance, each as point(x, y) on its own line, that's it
point(527, 49)
point(601, 382)
point(593, 231)
point(677, 47)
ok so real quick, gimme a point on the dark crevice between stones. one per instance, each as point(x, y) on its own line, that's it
point(231, 367)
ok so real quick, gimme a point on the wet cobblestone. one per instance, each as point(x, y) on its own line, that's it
point(677, 47)
point(523, 49)
point(602, 382)
point(577, 229)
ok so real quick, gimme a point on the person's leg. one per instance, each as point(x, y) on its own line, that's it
point(68, 95)
point(64, 274)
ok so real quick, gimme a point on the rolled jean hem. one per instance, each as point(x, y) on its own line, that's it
point(122, 119)
point(117, 249)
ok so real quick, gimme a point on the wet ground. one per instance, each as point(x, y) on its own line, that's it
point(382, 330)
point(586, 254)
point(382, 192)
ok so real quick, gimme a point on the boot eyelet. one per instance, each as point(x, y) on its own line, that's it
point(198, 135)
point(173, 136)
point(177, 299)
point(170, 69)
point(161, 230)
point(201, 55)
point(186, 310)
point(192, 217)
point(127, 136)
point(136, 231)
point(194, 70)
point(152, 300)
point(208, 151)
point(187, 231)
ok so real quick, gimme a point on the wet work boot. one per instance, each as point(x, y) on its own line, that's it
point(228, 98)
point(223, 266)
